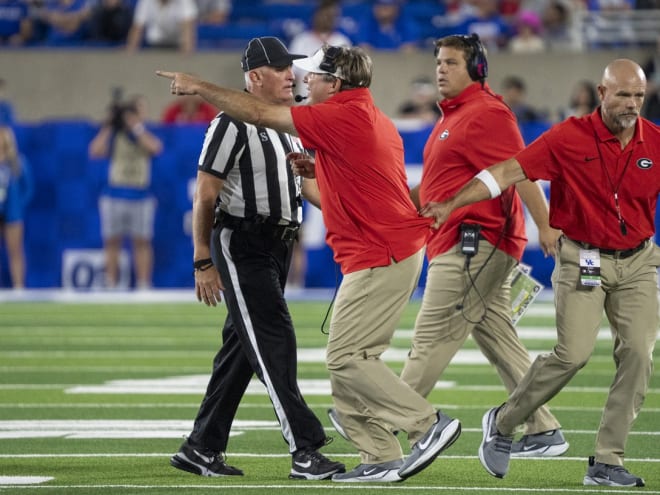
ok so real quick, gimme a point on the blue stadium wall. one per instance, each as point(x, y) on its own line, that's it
point(63, 214)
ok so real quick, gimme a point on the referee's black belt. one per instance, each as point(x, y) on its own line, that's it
point(258, 224)
point(616, 253)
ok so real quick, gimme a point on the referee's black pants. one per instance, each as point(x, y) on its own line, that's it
point(258, 337)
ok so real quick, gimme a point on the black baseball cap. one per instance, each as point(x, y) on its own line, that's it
point(266, 50)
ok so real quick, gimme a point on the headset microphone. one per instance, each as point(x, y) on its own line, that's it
point(300, 98)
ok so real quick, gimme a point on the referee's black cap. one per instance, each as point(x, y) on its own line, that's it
point(266, 50)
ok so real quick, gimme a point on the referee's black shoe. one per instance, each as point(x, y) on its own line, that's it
point(202, 462)
point(310, 464)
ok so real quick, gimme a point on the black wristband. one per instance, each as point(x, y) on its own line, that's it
point(202, 264)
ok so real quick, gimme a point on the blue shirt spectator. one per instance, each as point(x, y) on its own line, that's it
point(6, 108)
point(58, 22)
point(13, 15)
point(16, 189)
point(387, 27)
point(487, 22)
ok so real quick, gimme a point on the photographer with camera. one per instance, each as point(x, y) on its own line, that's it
point(126, 205)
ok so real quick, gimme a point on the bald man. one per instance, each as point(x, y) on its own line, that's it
point(604, 170)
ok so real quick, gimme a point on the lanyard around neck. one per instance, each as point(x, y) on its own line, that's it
point(614, 187)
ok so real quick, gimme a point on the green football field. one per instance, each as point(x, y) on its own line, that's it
point(95, 398)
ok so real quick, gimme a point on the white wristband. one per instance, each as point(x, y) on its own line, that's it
point(489, 181)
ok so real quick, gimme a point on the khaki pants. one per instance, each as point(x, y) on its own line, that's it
point(369, 397)
point(629, 296)
point(441, 329)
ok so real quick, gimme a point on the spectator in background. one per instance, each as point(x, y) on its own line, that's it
point(16, 189)
point(14, 24)
point(126, 205)
point(387, 27)
point(164, 24)
point(583, 100)
point(6, 108)
point(527, 38)
point(510, 9)
point(556, 21)
point(422, 104)
point(213, 12)
point(189, 109)
point(63, 22)
point(110, 21)
point(487, 22)
point(651, 108)
point(514, 94)
point(323, 31)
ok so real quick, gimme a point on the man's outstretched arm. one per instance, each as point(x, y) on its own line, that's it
point(488, 183)
point(237, 104)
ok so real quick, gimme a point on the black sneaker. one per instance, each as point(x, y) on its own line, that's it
point(609, 475)
point(309, 464)
point(202, 462)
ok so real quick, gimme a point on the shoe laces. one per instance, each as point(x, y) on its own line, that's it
point(616, 469)
point(213, 455)
point(316, 457)
point(502, 443)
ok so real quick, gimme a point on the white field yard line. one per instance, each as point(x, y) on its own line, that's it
point(196, 385)
point(247, 405)
point(122, 428)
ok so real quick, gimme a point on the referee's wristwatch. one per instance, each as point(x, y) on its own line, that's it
point(202, 265)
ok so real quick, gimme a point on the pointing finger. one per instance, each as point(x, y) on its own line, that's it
point(168, 75)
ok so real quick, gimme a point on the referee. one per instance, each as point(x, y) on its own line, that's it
point(246, 213)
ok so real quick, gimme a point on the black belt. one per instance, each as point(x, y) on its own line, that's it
point(617, 253)
point(258, 225)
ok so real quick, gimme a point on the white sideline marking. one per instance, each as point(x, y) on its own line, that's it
point(525, 333)
point(196, 384)
point(24, 480)
point(320, 405)
point(542, 307)
point(114, 428)
point(154, 429)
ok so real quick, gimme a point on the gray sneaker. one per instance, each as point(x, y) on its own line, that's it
point(334, 419)
point(444, 432)
point(547, 444)
point(609, 475)
point(366, 473)
point(495, 448)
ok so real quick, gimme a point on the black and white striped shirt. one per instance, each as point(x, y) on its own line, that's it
point(252, 162)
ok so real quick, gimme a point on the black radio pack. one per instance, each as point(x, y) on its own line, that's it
point(470, 238)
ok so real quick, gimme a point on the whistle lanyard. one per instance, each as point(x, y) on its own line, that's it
point(614, 187)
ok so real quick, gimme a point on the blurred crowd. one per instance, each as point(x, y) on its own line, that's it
point(188, 25)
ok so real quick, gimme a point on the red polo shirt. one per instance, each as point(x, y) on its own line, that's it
point(475, 131)
point(586, 165)
point(367, 210)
